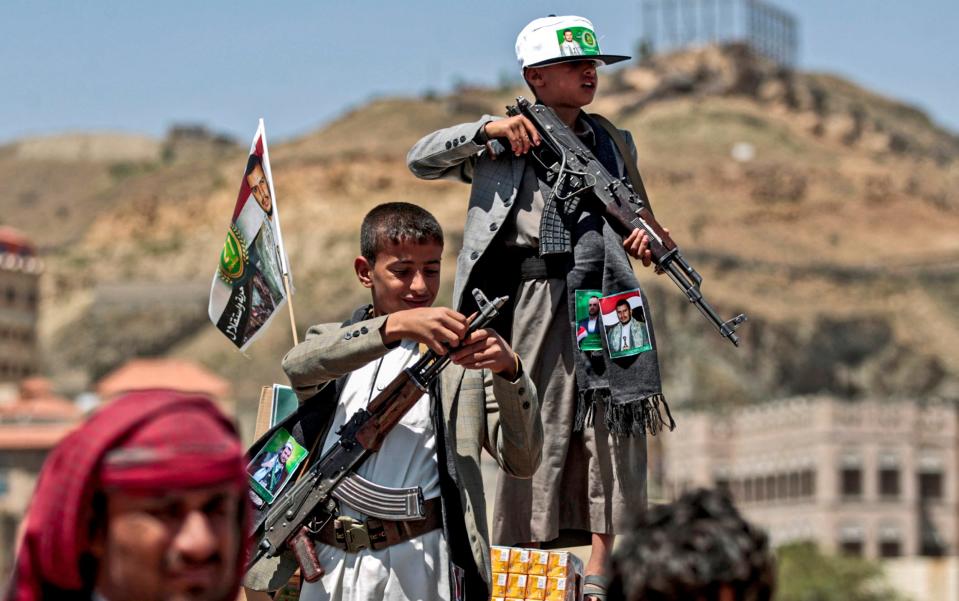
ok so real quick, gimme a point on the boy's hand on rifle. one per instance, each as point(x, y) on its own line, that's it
point(519, 130)
point(433, 326)
point(484, 348)
point(637, 246)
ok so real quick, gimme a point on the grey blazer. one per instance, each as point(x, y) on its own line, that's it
point(451, 153)
point(480, 410)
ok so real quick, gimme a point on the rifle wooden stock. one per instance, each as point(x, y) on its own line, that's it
point(387, 409)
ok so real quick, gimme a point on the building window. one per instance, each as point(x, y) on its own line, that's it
point(782, 486)
point(890, 548)
point(851, 548)
point(889, 482)
point(930, 486)
point(807, 483)
point(747, 490)
point(795, 487)
point(770, 488)
point(850, 482)
point(850, 541)
point(890, 541)
point(759, 489)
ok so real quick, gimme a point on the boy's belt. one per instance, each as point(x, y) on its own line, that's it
point(534, 267)
point(354, 535)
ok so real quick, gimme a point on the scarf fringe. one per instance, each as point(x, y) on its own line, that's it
point(624, 419)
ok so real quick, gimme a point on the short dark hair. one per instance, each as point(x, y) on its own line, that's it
point(690, 549)
point(253, 161)
point(622, 302)
point(397, 222)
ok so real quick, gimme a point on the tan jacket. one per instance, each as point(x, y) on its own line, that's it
point(480, 410)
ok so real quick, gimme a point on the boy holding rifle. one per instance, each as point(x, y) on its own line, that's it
point(484, 400)
point(595, 409)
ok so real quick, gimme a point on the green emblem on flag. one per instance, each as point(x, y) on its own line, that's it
point(588, 38)
point(233, 257)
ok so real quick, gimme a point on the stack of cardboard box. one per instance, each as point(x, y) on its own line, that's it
point(535, 575)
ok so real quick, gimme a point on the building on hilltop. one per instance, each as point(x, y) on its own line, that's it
point(868, 478)
point(672, 25)
point(20, 270)
point(32, 424)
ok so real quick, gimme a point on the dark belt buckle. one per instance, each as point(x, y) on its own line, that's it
point(352, 534)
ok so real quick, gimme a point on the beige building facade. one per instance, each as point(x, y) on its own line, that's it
point(20, 271)
point(876, 479)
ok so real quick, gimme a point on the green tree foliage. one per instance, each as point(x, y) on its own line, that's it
point(805, 574)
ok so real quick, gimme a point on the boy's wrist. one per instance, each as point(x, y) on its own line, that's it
point(390, 331)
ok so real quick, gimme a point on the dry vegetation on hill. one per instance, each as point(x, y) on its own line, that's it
point(837, 237)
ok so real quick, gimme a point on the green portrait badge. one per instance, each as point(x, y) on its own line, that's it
point(588, 38)
point(233, 258)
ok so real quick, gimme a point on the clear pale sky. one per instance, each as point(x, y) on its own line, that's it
point(141, 66)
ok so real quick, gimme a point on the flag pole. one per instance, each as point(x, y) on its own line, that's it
point(281, 249)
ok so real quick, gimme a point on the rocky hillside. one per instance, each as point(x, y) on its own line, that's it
point(824, 211)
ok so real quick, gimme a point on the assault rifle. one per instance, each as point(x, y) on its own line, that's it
point(310, 502)
point(576, 170)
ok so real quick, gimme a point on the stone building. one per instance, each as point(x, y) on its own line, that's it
point(30, 425)
point(19, 301)
point(868, 478)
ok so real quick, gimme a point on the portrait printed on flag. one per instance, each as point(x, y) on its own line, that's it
point(589, 320)
point(248, 286)
point(625, 319)
point(271, 468)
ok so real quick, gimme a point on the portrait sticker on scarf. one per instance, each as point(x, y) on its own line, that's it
point(589, 320)
point(273, 465)
point(625, 320)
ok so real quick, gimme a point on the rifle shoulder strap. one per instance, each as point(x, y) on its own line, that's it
point(631, 170)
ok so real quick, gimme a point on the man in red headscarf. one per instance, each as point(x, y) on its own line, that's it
point(144, 502)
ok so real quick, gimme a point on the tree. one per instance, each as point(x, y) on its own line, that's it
point(805, 574)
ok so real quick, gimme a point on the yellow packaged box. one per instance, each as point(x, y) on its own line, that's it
point(518, 561)
point(560, 564)
point(559, 589)
point(499, 559)
point(499, 584)
point(536, 588)
point(538, 562)
point(516, 585)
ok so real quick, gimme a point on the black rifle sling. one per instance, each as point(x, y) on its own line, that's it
point(631, 170)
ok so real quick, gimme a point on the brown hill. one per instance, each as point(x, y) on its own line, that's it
point(836, 236)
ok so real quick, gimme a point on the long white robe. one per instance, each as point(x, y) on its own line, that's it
point(417, 569)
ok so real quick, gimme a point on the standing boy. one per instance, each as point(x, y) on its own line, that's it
point(595, 466)
point(483, 400)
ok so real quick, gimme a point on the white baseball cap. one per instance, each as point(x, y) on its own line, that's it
point(553, 39)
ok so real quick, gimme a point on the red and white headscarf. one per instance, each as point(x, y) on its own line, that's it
point(143, 441)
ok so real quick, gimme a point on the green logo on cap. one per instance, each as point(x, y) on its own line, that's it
point(577, 41)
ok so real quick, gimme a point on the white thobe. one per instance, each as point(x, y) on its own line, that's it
point(417, 569)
